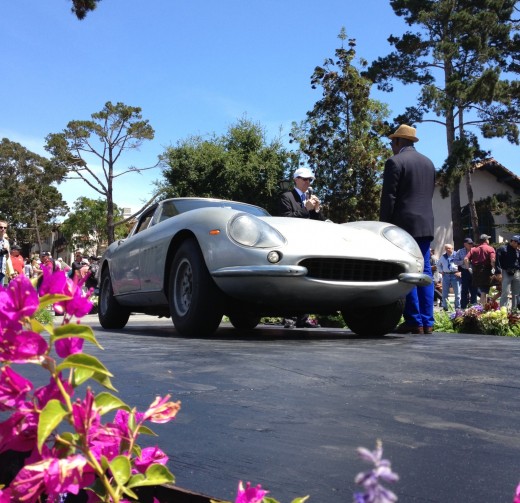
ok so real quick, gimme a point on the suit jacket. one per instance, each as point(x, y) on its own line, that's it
point(290, 206)
point(406, 198)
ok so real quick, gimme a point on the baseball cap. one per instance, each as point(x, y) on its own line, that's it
point(483, 237)
point(469, 240)
point(516, 238)
point(303, 173)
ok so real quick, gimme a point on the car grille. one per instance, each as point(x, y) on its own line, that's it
point(338, 269)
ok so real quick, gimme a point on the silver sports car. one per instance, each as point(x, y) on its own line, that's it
point(197, 259)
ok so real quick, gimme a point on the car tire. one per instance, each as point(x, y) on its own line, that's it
point(195, 300)
point(244, 321)
point(374, 321)
point(111, 314)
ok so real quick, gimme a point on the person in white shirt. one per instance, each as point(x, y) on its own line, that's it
point(450, 276)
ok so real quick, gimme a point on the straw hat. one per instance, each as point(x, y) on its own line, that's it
point(406, 132)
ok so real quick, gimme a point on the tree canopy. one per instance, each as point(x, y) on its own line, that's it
point(85, 225)
point(29, 201)
point(239, 165)
point(341, 138)
point(84, 143)
point(80, 8)
point(461, 58)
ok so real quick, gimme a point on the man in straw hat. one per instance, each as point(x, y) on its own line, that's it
point(406, 201)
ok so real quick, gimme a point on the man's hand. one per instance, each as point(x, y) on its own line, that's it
point(313, 203)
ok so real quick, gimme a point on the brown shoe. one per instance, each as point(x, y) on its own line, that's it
point(428, 330)
point(408, 329)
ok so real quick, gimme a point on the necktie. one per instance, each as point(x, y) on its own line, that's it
point(303, 200)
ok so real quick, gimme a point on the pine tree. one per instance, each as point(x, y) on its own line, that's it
point(460, 58)
point(341, 138)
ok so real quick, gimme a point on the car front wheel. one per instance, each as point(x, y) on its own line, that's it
point(374, 321)
point(244, 321)
point(195, 300)
point(110, 313)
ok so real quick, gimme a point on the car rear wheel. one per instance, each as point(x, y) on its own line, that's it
point(195, 300)
point(111, 314)
point(374, 321)
point(244, 321)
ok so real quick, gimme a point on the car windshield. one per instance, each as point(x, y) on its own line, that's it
point(176, 206)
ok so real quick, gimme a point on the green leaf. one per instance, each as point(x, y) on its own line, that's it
point(38, 327)
point(144, 430)
point(50, 417)
point(79, 376)
point(107, 402)
point(300, 500)
point(103, 380)
point(49, 299)
point(84, 361)
point(155, 474)
point(76, 331)
point(121, 469)
point(130, 493)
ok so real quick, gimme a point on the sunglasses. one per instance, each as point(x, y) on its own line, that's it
point(2, 227)
point(305, 179)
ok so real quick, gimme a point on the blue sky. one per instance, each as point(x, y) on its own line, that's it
point(194, 67)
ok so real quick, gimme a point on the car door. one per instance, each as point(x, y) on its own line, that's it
point(125, 261)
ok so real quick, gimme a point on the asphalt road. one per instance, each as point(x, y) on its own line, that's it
point(288, 408)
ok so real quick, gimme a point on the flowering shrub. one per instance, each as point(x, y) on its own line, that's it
point(67, 446)
point(489, 319)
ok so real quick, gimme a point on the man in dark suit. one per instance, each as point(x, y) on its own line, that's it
point(301, 203)
point(406, 201)
point(298, 202)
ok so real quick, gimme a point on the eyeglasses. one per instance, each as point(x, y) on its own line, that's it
point(2, 227)
point(305, 179)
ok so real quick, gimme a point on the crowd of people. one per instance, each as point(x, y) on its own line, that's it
point(470, 273)
point(12, 263)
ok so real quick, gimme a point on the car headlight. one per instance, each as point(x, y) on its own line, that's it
point(403, 240)
point(248, 230)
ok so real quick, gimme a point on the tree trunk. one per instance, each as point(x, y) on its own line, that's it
point(456, 217)
point(38, 237)
point(472, 206)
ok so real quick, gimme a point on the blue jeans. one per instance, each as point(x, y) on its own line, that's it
point(467, 290)
point(418, 308)
point(450, 280)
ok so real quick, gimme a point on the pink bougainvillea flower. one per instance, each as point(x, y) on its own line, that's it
point(22, 347)
point(67, 347)
point(250, 494)
point(5, 495)
point(84, 415)
point(13, 389)
point(54, 283)
point(18, 432)
point(150, 456)
point(106, 441)
point(19, 299)
point(68, 475)
point(161, 410)
point(517, 494)
point(52, 392)
point(52, 477)
point(121, 421)
point(79, 305)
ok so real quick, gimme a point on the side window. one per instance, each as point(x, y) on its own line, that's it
point(168, 210)
point(144, 222)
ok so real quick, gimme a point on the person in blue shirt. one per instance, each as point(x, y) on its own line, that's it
point(468, 292)
point(450, 276)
